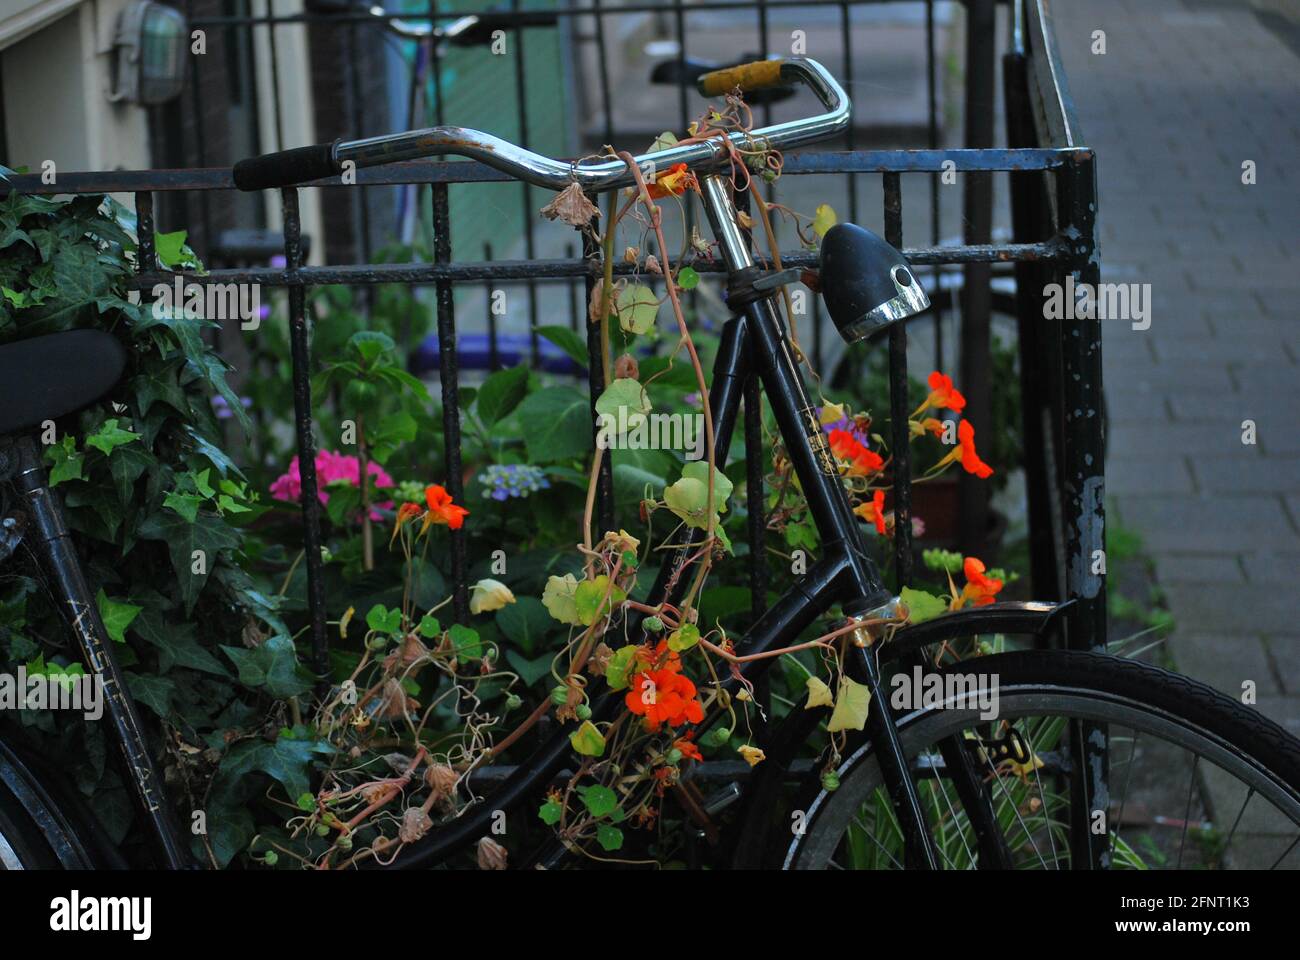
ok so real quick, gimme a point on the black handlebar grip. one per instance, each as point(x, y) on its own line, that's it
point(287, 167)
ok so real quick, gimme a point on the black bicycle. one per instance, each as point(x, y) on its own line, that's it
point(1090, 761)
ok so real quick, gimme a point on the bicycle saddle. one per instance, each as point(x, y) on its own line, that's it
point(43, 378)
point(688, 71)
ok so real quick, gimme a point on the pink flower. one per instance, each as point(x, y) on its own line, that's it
point(331, 466)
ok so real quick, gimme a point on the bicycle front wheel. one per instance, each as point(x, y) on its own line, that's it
point(1196, 779)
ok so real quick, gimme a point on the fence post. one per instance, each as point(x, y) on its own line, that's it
point(976, 296)
point(449, 380)
point(1083, 492)
point(300, 346)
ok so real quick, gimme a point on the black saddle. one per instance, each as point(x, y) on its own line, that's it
point(43, 378)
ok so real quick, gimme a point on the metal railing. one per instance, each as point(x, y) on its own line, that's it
point(1052, 180)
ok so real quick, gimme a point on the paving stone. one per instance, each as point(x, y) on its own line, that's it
point(1224, 661)
point(1181, 439)
point(1232, 610)
point(1263, 567)
point(1284, 651)
point(1135, 476)
point(1260, 475)
point(1198, 568)
point(1210, 524)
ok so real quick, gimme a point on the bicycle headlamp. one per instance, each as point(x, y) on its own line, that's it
point(868, 285)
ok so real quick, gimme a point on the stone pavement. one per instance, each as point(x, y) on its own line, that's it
point(1186, 92)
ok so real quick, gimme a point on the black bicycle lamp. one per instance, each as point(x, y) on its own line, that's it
point(867, 284)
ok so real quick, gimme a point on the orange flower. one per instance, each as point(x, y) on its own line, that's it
point(441, 509)
point(664, 696)
point(674, 182)
point(874, 512)
point(979, 590)
point(686, 748)
point(964, 453)
point(942, 395)
point(405, 513)
point(847, 447)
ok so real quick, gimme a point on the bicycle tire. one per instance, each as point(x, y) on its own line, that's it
point(1048, 681)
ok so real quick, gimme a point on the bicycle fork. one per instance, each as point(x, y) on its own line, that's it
point(847, 572)
point(79, 609)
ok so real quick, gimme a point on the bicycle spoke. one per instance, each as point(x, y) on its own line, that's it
point(1123, 799)
point(1240, 813)
point(956, 821)
point(1187, 811)
point(871, 835)
point(1042, 799)
point(1016, 810)
point(1286, 853)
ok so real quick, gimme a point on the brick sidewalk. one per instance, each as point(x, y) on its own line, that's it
point(1185, 93)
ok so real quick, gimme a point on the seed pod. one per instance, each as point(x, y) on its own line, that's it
point(625, 368)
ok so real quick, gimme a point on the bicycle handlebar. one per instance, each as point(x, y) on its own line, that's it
point(303, 164)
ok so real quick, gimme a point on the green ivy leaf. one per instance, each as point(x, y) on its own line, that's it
point(65, 461)
point(154, 692)
point(272, 666)
point(208, 534)
point(110, 436)
point(117, 616)
point(286, 760)
point(530, 670)
point(525, 623)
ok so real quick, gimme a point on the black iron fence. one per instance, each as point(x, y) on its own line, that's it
point(1053, 205)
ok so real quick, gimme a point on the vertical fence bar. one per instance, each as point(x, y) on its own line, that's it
point(977, 215)
point(898, 405)
point(449, 377)
point(1083, 501)
point(932, 141)
point(530, 252)
point(850, 139)
point(1031, 222)
point(300, 346)
point(602, 63)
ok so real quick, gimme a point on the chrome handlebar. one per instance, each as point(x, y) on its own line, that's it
point(602, 175)
point(304, 164)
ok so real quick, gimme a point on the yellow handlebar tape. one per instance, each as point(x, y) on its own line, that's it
point(747, 76)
